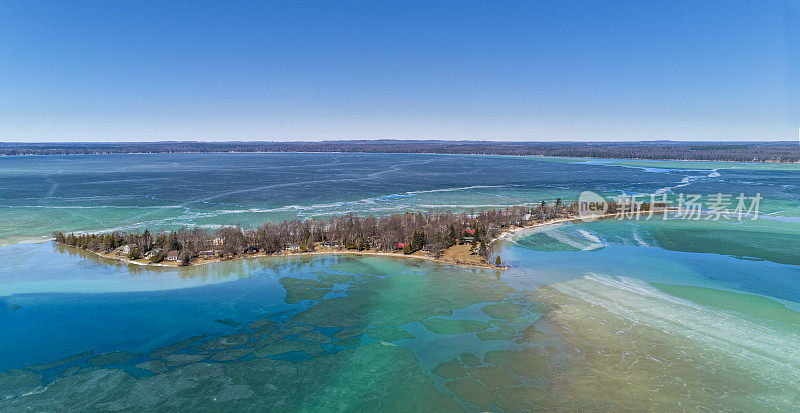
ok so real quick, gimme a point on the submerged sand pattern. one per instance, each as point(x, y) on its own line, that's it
point(345, 351)
point(638, 348)
point(372, 334)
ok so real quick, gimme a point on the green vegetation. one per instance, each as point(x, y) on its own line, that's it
point(185, 257)
point(410, 232)
point(135, 253)
point(418, 241)
point(158, 256)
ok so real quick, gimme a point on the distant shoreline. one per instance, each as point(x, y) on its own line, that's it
point(687, 151)
point(403, 153)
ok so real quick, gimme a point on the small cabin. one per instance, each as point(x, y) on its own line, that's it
point(172, 255)
point(400, 245)
point(469, 231)
point(124, 250)
point(207, 254)
point(292, 247)
point(152, 252)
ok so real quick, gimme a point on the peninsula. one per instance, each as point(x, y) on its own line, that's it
point(453, 238)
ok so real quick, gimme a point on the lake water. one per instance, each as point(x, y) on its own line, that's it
point(672, 315)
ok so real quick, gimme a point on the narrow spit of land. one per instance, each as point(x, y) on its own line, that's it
point(451, 238)
point(459, 254)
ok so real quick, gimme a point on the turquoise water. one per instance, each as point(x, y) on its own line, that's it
point(607, 315)
point(39, 195)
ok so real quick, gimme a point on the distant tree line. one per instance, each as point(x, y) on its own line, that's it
point(713, 151)
point(409, 232)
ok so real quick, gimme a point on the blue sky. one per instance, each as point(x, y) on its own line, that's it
point(307, 70)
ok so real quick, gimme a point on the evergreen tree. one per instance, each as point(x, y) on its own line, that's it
point(172, 242)
point(161, 241)
point(135, 253)
point(418, 241)
point(157, 257)
point(108, 242)
point(185, 257)
point(147, 240)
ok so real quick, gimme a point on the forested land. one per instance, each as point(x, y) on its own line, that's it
point(667, 150)
point(407, 233)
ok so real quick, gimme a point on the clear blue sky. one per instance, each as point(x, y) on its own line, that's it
point(307, 70)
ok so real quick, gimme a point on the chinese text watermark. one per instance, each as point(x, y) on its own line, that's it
point(714, 207)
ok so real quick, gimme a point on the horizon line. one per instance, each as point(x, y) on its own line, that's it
point(383, 140)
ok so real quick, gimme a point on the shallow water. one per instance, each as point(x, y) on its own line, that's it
point(609, 315)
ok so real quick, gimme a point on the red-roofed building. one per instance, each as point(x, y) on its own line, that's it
point(400, 245)
point(469, 231)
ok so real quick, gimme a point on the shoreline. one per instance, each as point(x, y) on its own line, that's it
point(425, 257)
point(200, 262)
point(411, 153)
point(485, 264)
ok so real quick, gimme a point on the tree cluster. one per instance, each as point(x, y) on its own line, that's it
point(434, 232)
